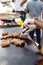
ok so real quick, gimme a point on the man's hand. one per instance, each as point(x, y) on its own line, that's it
point(28, 26)
point(27, 22)
point(28, 29)
point(23, 2)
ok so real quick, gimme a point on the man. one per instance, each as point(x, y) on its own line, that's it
point(34, 8)
point(19, 7)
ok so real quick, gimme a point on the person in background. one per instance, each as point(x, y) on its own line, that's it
point(19, 7)
point(34, 7)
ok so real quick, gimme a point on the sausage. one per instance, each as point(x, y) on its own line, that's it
point(16, 34)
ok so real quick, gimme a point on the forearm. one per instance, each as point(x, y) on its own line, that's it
point(26, 11)
point(24, 1)
point(13, 0)
point(38, 24)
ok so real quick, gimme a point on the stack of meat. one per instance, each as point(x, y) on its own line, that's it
point(14, 40)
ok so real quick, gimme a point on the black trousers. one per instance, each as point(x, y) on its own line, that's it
point(38, 34)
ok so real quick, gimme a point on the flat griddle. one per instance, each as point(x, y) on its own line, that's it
point(15, 55)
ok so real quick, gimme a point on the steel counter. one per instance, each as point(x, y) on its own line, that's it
point(15, 55)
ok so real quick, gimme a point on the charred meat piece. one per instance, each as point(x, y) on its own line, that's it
point(11, 35)
point(5, 43)
point(16, 34)
point(18, 42)
point(6, 36)
point(5, 33)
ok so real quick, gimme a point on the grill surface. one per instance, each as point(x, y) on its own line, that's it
point(15, 55)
